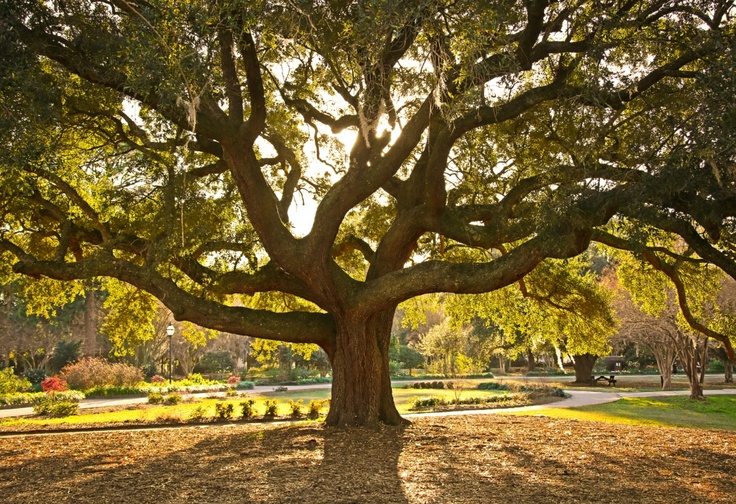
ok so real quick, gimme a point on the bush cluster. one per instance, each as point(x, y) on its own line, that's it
point(271, 408)
point(158, 379)
point(315, 407)
point(58, 404)
point(492, 386)
point(432, 402)
point(248, 409)
point(35, 376)
point(10, 383)
point(159, 398)
point(93, 372)
point(429, 385)
point(224, 411)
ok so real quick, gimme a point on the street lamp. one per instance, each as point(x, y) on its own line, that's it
point(170, 332)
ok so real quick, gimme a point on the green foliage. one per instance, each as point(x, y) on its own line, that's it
point(314, 407)
point(130, 315)
point(224, 411)
point(172, 399)
point(11, 383)
point(270, 407)
point(248, 409)
point(199, 413)
point(65, 352)
point(296, 407)
point(246, 385)
point(217, 362)
point(35, 376)
point(20, 398)
point(155, 398)
point(492, 386)
point(429, 385)
point(57, 404)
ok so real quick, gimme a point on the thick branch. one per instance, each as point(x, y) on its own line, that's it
point(295, 327)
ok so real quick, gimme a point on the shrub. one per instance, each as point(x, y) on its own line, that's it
point(196, 379)
point(20, 398)
point(10, 383)
point(315, 406)
point(271, 408)
point(296, 408)
point(172, 399)
point(93, 372)
point(57, 404)
point(233, 381)
point(155, 398)
point(248, 410)
point(426, 402)
point(158, 379)
point(53, 383)
point(248, 385)
point(199, 413)
point(429, 385)
point(35, 376)
point(492, 386)
point(224, 411)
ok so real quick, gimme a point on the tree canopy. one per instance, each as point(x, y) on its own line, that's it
point(435, 146)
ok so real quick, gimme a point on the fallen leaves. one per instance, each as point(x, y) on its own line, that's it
point(484, 458)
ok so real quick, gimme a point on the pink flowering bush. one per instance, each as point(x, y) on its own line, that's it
point(53, 384)
point(233, 381)
point(157, 379)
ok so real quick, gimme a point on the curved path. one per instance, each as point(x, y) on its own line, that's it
point(575, 399)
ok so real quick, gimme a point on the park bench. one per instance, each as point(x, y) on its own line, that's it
point(610, 379)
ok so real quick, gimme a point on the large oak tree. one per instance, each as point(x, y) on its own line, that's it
point(170, 145)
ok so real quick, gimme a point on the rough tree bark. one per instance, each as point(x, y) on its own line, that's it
point(583, 365)
point(361, 384)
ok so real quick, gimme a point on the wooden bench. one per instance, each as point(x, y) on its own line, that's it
point(610, 379)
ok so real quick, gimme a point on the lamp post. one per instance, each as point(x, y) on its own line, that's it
point(170, 332)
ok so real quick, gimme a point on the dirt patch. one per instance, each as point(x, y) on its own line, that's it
point(483, 458)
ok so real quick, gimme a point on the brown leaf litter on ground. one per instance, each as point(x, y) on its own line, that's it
point(468, 459)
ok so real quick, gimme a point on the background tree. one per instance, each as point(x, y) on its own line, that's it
point(170, 147)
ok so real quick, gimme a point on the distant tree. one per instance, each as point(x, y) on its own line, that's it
point(65, 352)
point(217, 362)
point(410, 358)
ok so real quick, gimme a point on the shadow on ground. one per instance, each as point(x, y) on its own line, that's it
point(465, 459)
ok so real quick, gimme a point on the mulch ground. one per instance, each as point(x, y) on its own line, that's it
point(468, 459)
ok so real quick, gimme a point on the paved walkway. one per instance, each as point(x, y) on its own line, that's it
point(576, 399)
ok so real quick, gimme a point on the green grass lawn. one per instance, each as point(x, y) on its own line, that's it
point(716, 412)
point(206, 407)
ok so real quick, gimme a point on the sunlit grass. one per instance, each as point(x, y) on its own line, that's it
point(716, 412)
point(206, 408)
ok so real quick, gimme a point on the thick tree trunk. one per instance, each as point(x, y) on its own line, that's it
point(531, 363)
point(728, 368)
point(361, 383)
point(584, 367)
